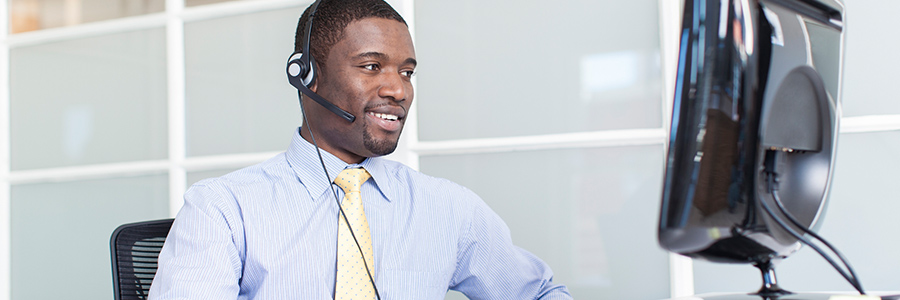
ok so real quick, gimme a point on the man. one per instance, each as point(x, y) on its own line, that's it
point(274, 230)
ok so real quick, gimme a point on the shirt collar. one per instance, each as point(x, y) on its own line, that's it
point(304, 161)
point(386, 182)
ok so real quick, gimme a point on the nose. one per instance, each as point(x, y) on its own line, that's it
point(394, 86)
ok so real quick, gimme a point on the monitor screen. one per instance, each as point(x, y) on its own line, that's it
point(758, 89)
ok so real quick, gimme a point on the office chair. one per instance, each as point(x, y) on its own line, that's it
point(134, 248)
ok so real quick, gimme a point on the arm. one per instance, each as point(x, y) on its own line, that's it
point(200, 259)
point(490, 267)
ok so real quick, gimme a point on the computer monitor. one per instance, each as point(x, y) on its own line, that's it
point(758, 89)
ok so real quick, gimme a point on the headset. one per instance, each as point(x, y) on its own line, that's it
point(301, 71)
point(302, 75)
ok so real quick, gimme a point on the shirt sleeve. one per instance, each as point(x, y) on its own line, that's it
point(490, 267)
point(200, 258)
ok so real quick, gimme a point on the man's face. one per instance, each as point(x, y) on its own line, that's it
point(367, 73)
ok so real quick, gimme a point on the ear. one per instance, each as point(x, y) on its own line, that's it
point(315, 84)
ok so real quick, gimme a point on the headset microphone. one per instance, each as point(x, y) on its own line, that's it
point(302, 73)
point(301, 81)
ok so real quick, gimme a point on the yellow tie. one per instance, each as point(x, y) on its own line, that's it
point(352, 279)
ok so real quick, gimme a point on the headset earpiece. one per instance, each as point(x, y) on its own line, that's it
point(300, 72)
point(302, 76)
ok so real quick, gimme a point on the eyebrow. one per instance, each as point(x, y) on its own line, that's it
point(382, 56)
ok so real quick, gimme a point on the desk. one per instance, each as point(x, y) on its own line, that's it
point(798, 296)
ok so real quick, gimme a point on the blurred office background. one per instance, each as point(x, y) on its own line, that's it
point(109, 109)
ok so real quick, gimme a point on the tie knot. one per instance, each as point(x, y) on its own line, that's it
point(350, 180)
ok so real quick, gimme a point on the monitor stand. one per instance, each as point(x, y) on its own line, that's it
point(803, 296)
point(771, 291)
point(770, 288)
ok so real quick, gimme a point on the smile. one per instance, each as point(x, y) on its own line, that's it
point(386, 121)
point(387, 117)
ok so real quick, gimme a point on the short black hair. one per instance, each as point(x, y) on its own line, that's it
point(332, 16)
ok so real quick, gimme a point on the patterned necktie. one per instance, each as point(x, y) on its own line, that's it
point(352, 281)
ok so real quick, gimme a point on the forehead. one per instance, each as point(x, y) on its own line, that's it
point(375, 35)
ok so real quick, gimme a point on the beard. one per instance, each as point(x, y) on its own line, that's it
point(378, 147)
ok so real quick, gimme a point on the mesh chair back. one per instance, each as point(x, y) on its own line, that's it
point(135, 248)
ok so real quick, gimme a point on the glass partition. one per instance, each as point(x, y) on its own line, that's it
point(89, 101)
point(589, 213)
point(238, 96)
point(513, 68)
point(870, 63)
point(61, 231)
point(30, 15)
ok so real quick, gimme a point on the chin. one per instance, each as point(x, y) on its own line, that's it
point(380, 147)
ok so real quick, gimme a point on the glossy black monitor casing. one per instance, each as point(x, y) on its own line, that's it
point(753, 75)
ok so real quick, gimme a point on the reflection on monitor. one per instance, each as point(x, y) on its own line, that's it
point(757, 93)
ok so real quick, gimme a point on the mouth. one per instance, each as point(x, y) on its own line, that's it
point(387, 118)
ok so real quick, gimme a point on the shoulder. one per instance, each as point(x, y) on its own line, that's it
point(435, 197)
point(416, 180)
point(224, 188)
point(266, 171)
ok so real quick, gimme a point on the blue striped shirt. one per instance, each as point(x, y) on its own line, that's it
point(269, 231)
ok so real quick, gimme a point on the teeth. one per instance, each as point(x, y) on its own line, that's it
point(386, 116)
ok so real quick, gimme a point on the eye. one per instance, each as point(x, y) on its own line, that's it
point(408, 73)
point(372, 67)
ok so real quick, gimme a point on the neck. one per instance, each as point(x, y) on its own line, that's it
point(346, 157)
